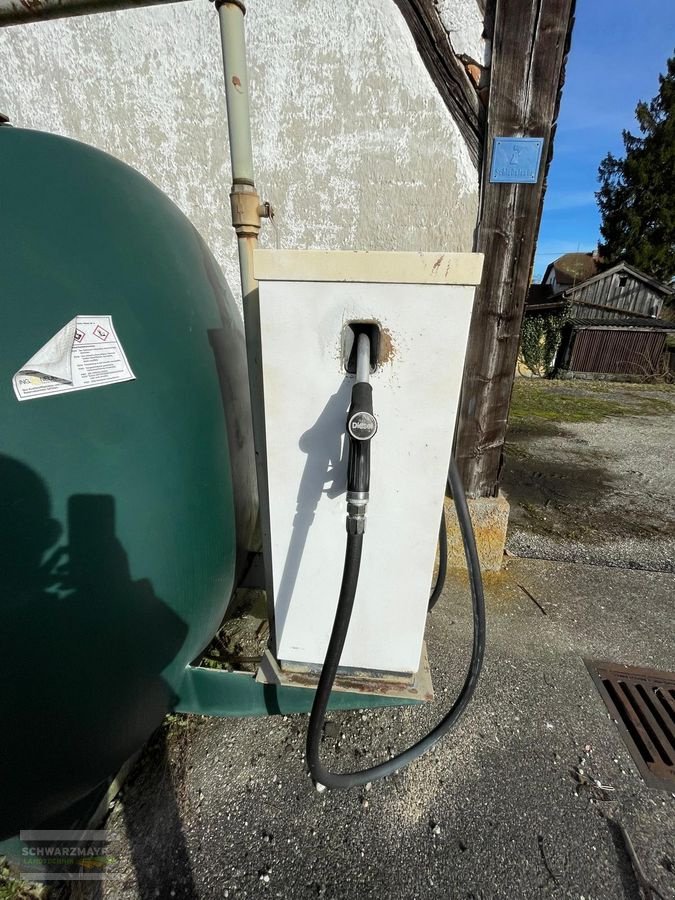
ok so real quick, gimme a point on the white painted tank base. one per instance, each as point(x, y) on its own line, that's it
point(422, 303)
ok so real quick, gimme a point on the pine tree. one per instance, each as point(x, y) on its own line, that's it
point(637, 192)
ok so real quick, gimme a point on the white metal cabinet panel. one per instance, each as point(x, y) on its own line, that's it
point(307, 393)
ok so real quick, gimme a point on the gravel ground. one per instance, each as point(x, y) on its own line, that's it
point(224, 808)
point(594, 492)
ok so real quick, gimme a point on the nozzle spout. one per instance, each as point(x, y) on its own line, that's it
point(363, 358)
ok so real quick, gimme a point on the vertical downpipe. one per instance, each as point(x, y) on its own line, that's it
point(246, 215)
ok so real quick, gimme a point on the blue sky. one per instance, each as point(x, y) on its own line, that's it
point(619, 47)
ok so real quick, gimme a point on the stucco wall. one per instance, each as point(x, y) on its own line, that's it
point(352, 144)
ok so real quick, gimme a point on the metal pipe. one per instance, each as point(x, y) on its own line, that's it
point(244, 199)
point(363, 358)
point(246, 214)
point(19, 12)
point(233, 41)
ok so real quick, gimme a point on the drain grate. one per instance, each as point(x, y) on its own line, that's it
point(642, 703)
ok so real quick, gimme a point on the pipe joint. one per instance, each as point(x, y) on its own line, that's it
point(266, 211)
point(238, 3)
point(356, 524)
point(246, 210)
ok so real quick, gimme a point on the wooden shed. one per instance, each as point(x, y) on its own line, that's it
point(616, 292)
point(629, 348)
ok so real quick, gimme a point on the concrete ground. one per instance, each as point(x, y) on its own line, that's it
point(224, 808)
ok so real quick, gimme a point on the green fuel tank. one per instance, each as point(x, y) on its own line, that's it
point(123, 508)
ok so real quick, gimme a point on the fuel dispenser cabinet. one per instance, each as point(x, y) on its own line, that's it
point(415, 310)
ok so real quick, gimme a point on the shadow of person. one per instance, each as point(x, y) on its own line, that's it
point(82, 649)
point(325, 472)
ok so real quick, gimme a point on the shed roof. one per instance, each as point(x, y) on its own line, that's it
point(573, 268)
point(625, 322)
point(622, 267)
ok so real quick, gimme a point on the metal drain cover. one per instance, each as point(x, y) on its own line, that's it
point(642, 703)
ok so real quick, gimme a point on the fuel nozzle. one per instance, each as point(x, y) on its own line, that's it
point(361, 427)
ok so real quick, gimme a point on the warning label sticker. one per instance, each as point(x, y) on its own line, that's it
point(85, 353)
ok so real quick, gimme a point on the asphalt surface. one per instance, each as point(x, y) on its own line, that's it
point(225, 809)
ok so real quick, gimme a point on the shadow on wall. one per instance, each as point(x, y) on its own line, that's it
point(82, 648)
point(325, 472)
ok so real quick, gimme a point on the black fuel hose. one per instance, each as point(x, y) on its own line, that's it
point(350, 576)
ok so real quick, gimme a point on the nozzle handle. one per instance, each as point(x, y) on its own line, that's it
point(361, 426)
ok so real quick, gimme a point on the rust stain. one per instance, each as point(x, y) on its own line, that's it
point(437, 263)
point(236, 81)
point(387, 349)
point(361, 685)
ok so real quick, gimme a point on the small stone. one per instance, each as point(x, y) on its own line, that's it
point(436, 830)
point(331, 730)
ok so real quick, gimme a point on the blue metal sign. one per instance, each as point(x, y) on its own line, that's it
point(516, 160)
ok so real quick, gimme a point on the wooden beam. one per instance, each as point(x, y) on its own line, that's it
point(448, 73)
point(530, 44)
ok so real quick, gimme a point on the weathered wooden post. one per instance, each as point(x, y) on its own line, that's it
point(530, 43)
point(529, 48)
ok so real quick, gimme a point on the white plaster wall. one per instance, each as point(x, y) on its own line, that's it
point(463, 21)
point(352, 144)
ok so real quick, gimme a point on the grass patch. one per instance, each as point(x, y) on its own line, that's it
point(556, 401)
